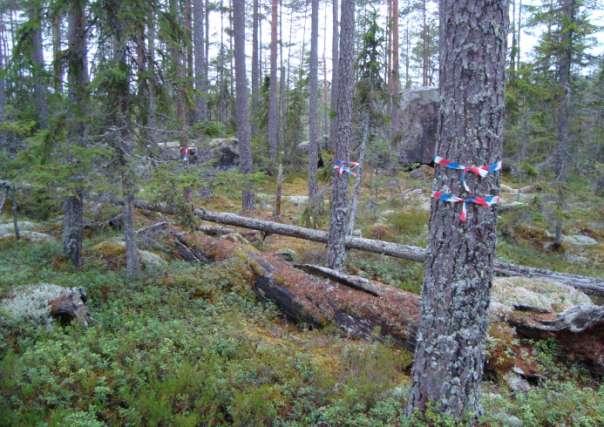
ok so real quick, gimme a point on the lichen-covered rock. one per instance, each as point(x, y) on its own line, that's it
point(42, 303)
point(114, 253)
point(7, 231)
point(579, 240)
point(538, 295)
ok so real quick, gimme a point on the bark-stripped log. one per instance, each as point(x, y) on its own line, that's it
point(589, 285)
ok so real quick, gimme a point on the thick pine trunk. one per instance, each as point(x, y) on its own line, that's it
point(313, 111)
point(241, 101)
point(336, 248)
point(449, 356)
point(57, 65)
point(273, 112)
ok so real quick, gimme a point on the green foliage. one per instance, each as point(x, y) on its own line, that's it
point(211, 128)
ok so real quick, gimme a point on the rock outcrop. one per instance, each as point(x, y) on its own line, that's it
point(418, 125)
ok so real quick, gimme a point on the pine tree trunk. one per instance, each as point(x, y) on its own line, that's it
point(73, 220)
point(449, 356)
point(336, 249)
point(255, 66)
point(313, 110)
point(273, 112)
point(241, 102)
point(394, 83)
point(40, 90)
point(335, 56)
point(57, 64)
point(2, 85)
point(198, 41)
point(356, 191)
point(152, 87)
point(425, 58)
point(563, 155)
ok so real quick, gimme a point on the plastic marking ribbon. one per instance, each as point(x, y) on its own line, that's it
point(345, 167)
point(480, 171)
point(485, 202)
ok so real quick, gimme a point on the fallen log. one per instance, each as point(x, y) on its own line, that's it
point(377, 311)
point(589, 285)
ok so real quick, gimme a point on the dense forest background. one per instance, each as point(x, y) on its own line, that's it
point(129, 128)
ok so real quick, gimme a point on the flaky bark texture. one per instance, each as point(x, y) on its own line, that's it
point(313, 110)
point(273, 109)
point(449, 356)
point(336, 249)
point(241, 101)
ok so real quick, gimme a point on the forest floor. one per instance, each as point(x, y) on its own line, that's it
point(190, 344)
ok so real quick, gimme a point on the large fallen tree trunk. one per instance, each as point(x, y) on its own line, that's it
point(589, 285)
point(368, 309)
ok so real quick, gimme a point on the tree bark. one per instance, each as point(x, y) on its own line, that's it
point(313, 111)
point(3, 145)
point(73, 220)
point(198, 35)
point(57, 65)
point(273, 112)
point(336, 248)
point(449, 356)
point(335, 56)
point(255, 65)
point(394, 82)
point(356, 191)
point(242, 110)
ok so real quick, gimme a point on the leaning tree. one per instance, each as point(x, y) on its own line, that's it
point(449, 356)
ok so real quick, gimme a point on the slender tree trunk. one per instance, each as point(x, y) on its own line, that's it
point(198, 36)
point(519, 29)
point(73, 206)
point(133, 265)
point(57, 64)
point(40, 89)
point(273, 113)
point(206, 63)
point(425, 55)
point(188, 27)
point(335, 56)
point(232, 60)
point(325, 127)
point(255, 66)
point(449, 356)
point(152, 86)
point(313, 110)
point(394, 83)
point(15, 212)
point(336, 249)
point(358, 180)
point(562, 154)
point(242, 111)
point(278, 193)
point(512, 73)
point(2, 82)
